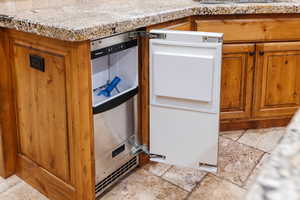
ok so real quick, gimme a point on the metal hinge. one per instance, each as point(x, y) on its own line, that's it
point(137, 149)
point(5, 17)
point(208, 167)
point(212, 39)
point(137, 34)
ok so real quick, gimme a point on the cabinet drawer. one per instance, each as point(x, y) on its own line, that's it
point(236, 30)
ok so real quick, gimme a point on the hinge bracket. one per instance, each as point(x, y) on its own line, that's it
point(146, 34)
point(137, 149)
point(208, 167)
point(212, 39)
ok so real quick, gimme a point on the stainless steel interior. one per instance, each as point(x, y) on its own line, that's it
point(112, 129)
point(115, 118)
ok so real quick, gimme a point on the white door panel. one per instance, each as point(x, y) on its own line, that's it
point(183, 74)
point(185, 71)
point(184, 137)
point(182, 83)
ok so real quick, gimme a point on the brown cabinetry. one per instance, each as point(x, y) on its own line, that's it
point(41, 111)
point(237, 79)
point(277, 83)
point(260, 87)
point(51, 106)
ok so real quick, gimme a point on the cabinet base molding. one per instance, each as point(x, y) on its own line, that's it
point(44, 182)
point(253, 124)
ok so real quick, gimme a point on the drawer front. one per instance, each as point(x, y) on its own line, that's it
point(237, 30)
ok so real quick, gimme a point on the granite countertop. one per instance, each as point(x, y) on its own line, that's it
point(280, 176)
point(78, 20)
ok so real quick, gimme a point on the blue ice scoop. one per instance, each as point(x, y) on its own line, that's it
point(110, 87)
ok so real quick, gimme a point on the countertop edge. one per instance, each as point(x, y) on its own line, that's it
point(104, 30)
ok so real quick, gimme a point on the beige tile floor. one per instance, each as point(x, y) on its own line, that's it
point(241, 156)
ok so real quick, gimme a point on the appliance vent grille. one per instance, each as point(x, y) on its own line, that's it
point(110, 179)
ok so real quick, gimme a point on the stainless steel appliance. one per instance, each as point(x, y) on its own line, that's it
point(115, 112)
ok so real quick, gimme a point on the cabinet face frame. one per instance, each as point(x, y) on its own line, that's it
point(245, 54)
point(263, 94)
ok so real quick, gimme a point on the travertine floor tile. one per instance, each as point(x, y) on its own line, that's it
point(236, 161)
point(234, 135)
point(185, 178)
point(264, 139)
point(22, 191)
point(157, 168)
point(214, 188)
point(143, 185)
point(5, 184)
point(256, 171)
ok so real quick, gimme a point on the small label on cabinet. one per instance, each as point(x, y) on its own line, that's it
point(37, 62)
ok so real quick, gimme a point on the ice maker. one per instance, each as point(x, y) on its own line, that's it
point(115, 88)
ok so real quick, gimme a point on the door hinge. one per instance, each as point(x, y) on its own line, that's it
point(5, 17)
point(212, 39)
point(146, 34)
point(208, 167)
point(137, 149)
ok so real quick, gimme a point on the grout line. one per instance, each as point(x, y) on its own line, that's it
point(244, 182)
point(165, 180)
point(253, 147)
point(244, 132)
point(247, 145)
point(196, 186)
point(156, 174)
point(227, 180)
point(166, 171)
point(177, 186)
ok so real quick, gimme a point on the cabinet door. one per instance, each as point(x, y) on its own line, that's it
point(277, 83)
point(41, 109)
point(185, 97)
point(237, 81)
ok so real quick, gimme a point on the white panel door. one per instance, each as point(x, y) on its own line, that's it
point(185, 74)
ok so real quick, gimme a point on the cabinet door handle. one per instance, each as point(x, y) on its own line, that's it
point(251, 53)
point(37, 62)
point(261, 53)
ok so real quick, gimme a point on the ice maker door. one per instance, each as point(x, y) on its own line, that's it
point(185, 74)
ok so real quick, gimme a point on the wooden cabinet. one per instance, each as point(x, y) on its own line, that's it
point(237, 81)
point(53, 115)
point(42, 110)
point(260, 87)
point(8, 143)
point(277, 83)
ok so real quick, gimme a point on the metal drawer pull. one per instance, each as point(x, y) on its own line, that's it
point(261, 53)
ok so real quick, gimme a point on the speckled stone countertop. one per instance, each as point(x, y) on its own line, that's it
point(77, 20)
point(280, 176)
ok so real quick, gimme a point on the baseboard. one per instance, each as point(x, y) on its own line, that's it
point(46, 183)
point(253, 124)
